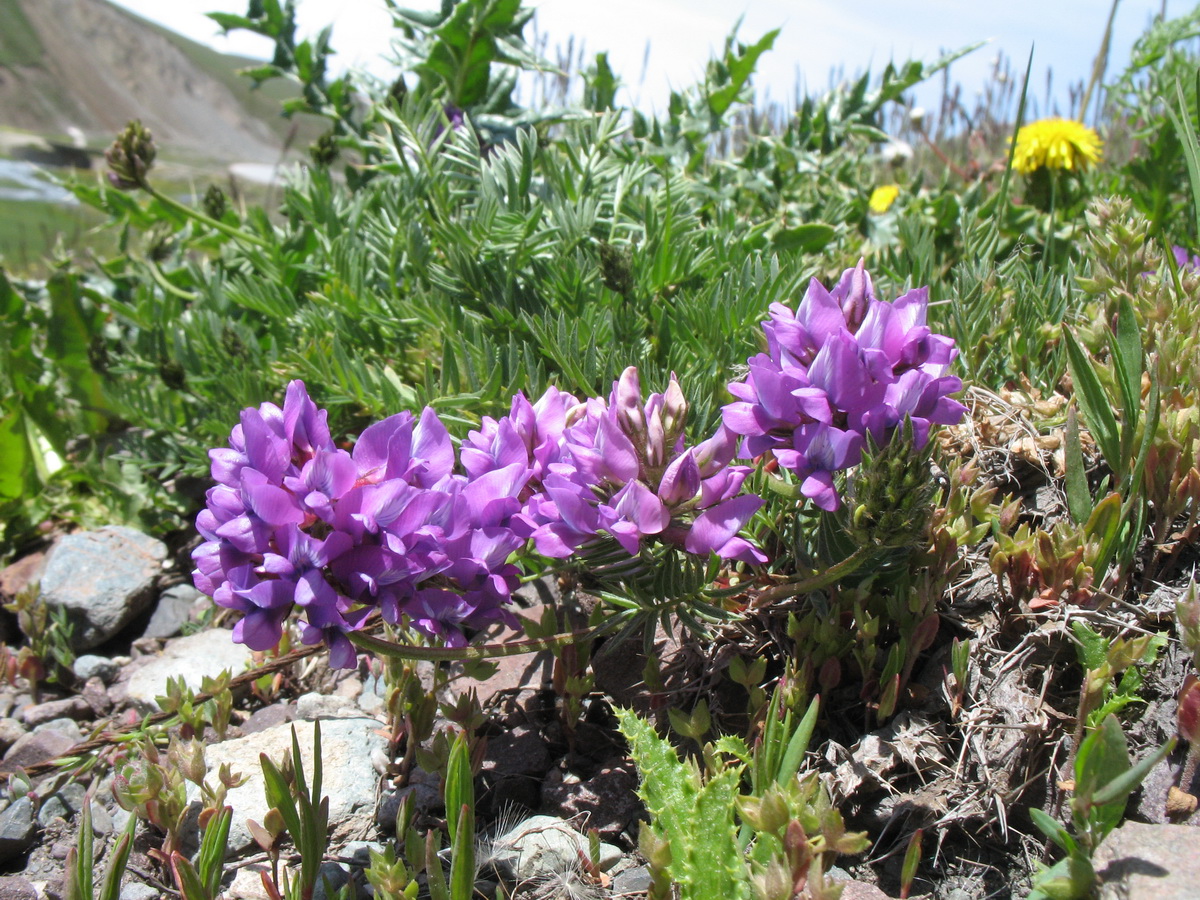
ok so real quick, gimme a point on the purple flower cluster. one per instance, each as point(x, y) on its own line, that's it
point(843, 365)
point(621, 468)
point(403, 524)
point(296, 521)
point(1184, 259)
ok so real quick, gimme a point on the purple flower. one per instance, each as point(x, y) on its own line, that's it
point(295, 522)
point(624, 471)
point(845, 364)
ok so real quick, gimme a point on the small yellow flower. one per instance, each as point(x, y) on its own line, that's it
point(1056, 144)
point(883, 197)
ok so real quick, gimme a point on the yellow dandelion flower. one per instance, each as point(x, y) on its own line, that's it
point(1056, 144)
point(883, 197)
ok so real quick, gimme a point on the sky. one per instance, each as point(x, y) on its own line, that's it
point(817, 37)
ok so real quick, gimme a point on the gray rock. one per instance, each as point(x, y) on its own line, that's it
point(325, 706)
point(10, 732)
point(541, 847)
point(608, 800)
point(207, 653)
point(37, 747)
point(68, 708)
point(103, 579)
point(269, 717)
point(91, 666)
point(101, 821)
point(330, 877)
point(1148, 862)
point(173, 611)
point(632, 881)
point(136, 890)
point(349, 777)
point(426, 788)
point(17, 828)
point(63, 803)
point(14, 887)
point(67, 727)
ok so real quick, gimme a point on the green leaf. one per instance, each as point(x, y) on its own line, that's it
point(462, 859)
point(460, 791)
point(1094, 402)
point(1079, 496)
point(741, 67)
point(809, 238)
point(119, 859)
point(798, 745)
point(1052, 829)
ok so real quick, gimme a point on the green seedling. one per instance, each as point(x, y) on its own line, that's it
point(202, 880)
point(80, 865)
point(305, 815)
point(1104, 779)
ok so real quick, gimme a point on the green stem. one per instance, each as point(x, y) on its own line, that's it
point(161, 280)
point(228, 230)
point(836, 572)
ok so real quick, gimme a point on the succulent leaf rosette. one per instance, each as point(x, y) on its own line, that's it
point(843, 365)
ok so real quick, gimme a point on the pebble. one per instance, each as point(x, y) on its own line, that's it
point(207, 653)
point(136, 890)
point(325, 706)
point(17, 828)
point(14, 887)
point(103, 578)
point(10, 732)
point(633, 881)
point(173, 611)
point(63, 803)
point(67, 708)
point(541, 847)
point(91, 666)
point(37, 747)
point(67, 727)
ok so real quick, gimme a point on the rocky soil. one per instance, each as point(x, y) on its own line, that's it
point(964, 778)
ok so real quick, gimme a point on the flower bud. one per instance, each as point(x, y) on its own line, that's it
point(1188, 716)
point(130, 157)
point(628, 397)
point(675, 410)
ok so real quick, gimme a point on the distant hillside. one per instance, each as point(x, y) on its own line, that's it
point(89, 65)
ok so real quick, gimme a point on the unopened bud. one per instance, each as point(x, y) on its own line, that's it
point(1188, 717)
point(130, 157)
point(628, 396)
point(675, 410)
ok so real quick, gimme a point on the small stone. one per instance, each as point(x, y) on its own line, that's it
point(333, 875)
point(269, 717)
point(608, 799)
point(68, 708)
point(63, 803)
point(633, 881)
point(17, 828)
point(95, 695)
point(325, 706)
point(861, 890)
point(173, 611)
point(103, 579)
point(102, 823)
point(25, 571)
point(426, 789)
point(92, 666)
point(67, 727)
point(247, 883)
point(14, 887)
point(207, 653)
point(136, 890)
point(35, 748)
point(10, 732)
